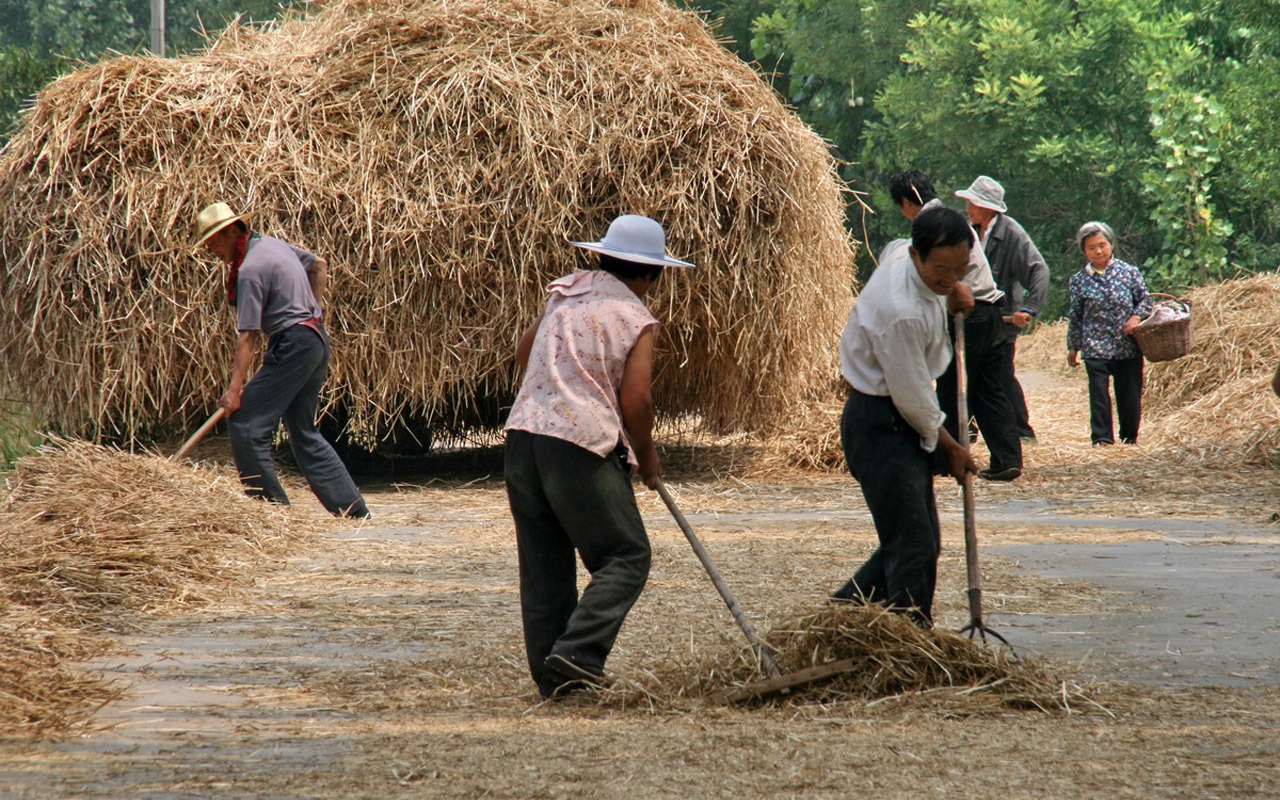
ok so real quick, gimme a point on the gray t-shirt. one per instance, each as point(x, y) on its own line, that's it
point(272, 292)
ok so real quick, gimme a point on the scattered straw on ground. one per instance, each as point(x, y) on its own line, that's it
point(892, 657)
point(89, 534)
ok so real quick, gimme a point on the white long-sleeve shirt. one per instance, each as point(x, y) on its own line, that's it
point(895, 343)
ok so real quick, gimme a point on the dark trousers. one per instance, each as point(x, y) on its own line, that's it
point(896, 476)
point(288, 387)
point(1012, 387)
point(566, 499)
point(988, 403)
point(1126, 375)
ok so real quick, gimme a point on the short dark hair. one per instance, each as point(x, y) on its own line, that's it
point(629, 270)
point(939, 227)
point(913, 185)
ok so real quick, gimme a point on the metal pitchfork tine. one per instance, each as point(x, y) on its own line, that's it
point(976, 626)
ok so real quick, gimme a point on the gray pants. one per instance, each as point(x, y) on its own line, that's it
point(566, 499)
point(288, 387)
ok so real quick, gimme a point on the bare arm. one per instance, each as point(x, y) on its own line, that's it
point(636, 399)
point(318, 277)
point(525, 345)
point(246, 347)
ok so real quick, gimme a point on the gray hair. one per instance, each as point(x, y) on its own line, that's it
point(1093, 229)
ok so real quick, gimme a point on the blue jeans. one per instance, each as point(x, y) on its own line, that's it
point(566, 500)
point(883, 453)
point(288, 387)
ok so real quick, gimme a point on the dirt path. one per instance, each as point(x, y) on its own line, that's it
point(387, 662)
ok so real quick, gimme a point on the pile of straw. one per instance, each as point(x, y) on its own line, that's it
point(441, 156)
point(87, 530)
point(895, 657)
point(87, 533)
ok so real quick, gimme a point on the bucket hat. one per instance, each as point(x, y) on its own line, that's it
point(985, 192)
point(214, 218)
point(635, 238)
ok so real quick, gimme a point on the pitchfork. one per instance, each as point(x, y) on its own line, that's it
point(976, 626)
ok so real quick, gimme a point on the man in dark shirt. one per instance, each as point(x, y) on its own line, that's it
point(1019, 271)
point(276, 289)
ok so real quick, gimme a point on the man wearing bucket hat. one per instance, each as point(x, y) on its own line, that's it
point(276, 289)
point(1020, 272)
point(912, 192)
point(580, 424)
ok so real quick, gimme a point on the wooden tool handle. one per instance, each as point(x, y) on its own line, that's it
point(200, 434)
point(761, 649)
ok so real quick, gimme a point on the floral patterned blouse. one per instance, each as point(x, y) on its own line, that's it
point(1099, 305)
point(570, 389)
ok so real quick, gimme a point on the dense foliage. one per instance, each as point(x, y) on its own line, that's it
point(40, 39)
point(1156, 116)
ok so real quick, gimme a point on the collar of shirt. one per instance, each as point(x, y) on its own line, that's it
point(1096, 273)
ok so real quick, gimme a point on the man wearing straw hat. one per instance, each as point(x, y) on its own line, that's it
point(1020, 272)
point(276, 289)
point(581, 423)
point(894, 346)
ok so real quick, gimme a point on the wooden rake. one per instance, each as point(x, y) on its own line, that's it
point(777, 682)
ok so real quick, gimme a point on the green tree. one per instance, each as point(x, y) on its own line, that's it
point(1049, 97)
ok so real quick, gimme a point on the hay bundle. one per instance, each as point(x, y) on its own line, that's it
point(87, 531)
point(440, 155)
point(896, 657)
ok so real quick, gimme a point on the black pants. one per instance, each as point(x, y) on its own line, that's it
point(288, 387)
point(566, 500)
point(896, 476)
point(1126, 375)
point(1012, 387)
point(984, 354)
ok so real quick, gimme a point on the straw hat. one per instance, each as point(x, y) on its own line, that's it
point(985, 192)
point(214, 218)
point(634, 238)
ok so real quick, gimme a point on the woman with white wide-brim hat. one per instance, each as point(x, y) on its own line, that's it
point(581, 422)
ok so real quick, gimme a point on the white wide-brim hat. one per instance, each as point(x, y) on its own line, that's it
point(985, 192)
point(214, 218)
point(635, 238)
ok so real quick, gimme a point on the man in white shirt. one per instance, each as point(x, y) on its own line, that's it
point(985, 352)
point(894, 346)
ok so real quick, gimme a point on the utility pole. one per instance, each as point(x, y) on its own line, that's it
point(157, 27)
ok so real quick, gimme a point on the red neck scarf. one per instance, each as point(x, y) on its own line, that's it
point(237, 258)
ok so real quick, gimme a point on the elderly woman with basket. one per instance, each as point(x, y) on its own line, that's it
point(1107, 301)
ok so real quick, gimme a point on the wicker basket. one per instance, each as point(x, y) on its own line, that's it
point(1165, 341)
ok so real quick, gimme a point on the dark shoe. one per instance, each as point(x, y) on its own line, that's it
point(1103, 443)
point(1028, 439)
point(1006, 474)
point(573, 674)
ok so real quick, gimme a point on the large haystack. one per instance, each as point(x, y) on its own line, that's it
point(440, 155)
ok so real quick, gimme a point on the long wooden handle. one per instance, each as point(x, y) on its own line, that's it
point(762, 652)
point(200, 434)
point(970, 523)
